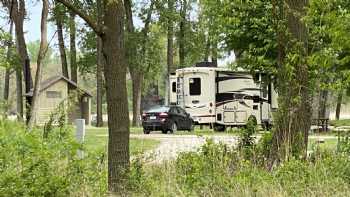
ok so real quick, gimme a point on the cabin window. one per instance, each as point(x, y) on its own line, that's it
point(53, 94)
point(195, 86)
point(173, 87)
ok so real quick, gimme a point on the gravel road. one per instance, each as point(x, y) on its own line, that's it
point(171, 145)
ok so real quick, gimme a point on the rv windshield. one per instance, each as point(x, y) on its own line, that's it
point(158, 109)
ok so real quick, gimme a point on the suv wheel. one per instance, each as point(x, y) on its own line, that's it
point(173, 127)
point(164, 131)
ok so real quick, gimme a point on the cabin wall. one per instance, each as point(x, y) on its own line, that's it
point(50, 99)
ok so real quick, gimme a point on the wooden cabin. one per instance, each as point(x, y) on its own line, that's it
point(59, 90)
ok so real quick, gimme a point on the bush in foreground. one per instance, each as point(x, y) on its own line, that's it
point(217, 170)
point(31, 165)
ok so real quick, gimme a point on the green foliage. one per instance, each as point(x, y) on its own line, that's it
point(33, 50)
point(250, 31)
point(13, 60)
point(344, 142)
point(87, 62)
point(328, 23)
point(217, 170)
point(338, 123)
point(33, 166)
point(246, 135)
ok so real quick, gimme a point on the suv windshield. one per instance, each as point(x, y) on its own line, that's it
point(158, 109)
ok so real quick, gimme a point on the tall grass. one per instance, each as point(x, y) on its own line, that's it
point(217, 170)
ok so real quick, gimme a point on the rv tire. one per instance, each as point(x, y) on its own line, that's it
point(266, 126)
point(191, 127)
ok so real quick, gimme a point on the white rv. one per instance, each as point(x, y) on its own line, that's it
point(222, 98)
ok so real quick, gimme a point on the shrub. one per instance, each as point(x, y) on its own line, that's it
point(34, 166)
point(217, 170)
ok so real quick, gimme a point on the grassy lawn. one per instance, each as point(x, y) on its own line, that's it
point(329, 144)
point(338, 123)
point(96, 140)
point(139, 130)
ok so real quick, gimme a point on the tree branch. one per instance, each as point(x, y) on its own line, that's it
point(86, 18)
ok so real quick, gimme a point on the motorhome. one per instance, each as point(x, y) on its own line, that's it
point(223, 98)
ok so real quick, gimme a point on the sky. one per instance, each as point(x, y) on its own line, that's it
point(32, 27)
point(32, 23)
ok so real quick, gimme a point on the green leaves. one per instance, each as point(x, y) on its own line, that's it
point(6, 61)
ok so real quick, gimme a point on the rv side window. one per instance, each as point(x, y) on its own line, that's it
point(173, 87)
point(195, 86)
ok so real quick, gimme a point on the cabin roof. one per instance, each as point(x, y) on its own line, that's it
point(53, 80)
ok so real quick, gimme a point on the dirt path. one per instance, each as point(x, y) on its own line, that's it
point(171, 145)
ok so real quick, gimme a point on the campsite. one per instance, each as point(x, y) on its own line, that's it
point(171, 98)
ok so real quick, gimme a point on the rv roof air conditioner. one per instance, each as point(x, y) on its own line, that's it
point(207, 64)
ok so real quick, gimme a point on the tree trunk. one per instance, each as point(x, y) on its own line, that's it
point(136, 71)
point(214, 52)
point(339, 103)
point(117, 101)
point(19, 98)
point(323, 100)
point(17, 14)
point(137, 80)
point(118, 114)
point(61, 45)
point(99, 70)
point(73, 51)
point(134, 68)
point(207, 50)
point(7, 73)
point(41, 56)
point(182, 52)
point(293, 119)
point(170, 51)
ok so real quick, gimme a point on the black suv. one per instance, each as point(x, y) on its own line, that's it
point(166, 118)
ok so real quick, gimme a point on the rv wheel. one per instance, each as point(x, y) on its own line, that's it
point(267, 126)
point(191, 127)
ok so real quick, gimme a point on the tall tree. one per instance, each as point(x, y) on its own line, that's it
point(170, 46)
point(137, 66)
point(339, 103)
point(112, 35)
point(41, 56)
point(99, 69)
point(183, 22)
point(294, 117)
point(59, 17)
point(8, 71)
point(17, 12)
point(73, 51)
